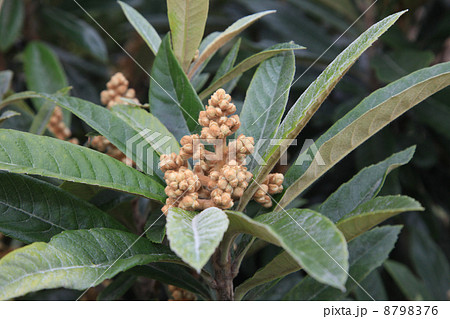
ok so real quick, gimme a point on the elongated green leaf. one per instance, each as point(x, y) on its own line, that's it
point(172, 98)
point(187, 20)
point(371, 115)
point(126, 138)
point(232, 31)
point(266, 98)
point(82, 191)
point(412, 287)
point(227, 63)
point(121, 284)
point(156, 226)
point(7, 115)
point(32, 210)
point(77, 31)
point(159, 137)
point(18, 97)
point(76, 259)
point(367, 252)
point(40, 155)
point(44, 73)
point(5, 82)
point(430, 263)
point(12, 15)
point(173, 274)
point(195, 236)
point(247, 64)
point(374, 286)
point(312, 98)
point(363, 186)
point(142, 26)
point(375, 211)
point(311, 239)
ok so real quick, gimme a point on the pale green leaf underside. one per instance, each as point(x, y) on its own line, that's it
point(187, 20)
point(195, 236)
point(32, 210)
point(311, 99)
point(247, 64)
point(367, 252)
point(142, 26)
point(363, 186)
point(311, 239)
point(221, 39)
point(371, 115)
point(76, 259)
point(40, 155)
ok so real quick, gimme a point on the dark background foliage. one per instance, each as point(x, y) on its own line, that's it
point(420, 38)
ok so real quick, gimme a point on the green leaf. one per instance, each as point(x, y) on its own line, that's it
point(142, 26)
point(430, 263)
point(412, 287)
point(44, 73)
point(311, 99)
point(266, 98)
point(225, 36)
point(141, 120)
point(77, 31)
point(195, 236)
point(373, 212)
point(372, 114)
point(156, 227)
point(40, 155)
point(5, 82)
point(7, 115)
point(367, 252)
point(187, 20)
point(18, 97)
point(32, 210)
point(76, 259)
point(227, 63)
point(82, 191)
point(172, 98)
point(126, 138)
point(173, 274)
point(311, 239)
point(247, 64)
point(121, 284)
point(363, 186)
point(12, 13)
point(374, 286)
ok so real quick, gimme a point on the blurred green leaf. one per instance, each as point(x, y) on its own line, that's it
point(412, 287)
point(187, 20)
point(142, 26)
point(363, 186)
point(77, 259)
point(45, 156)
point(374, 286)
point(44, 210)
point(172, 98)
point(367, 118)
point(120, 285)
point(5, 82)
point(7, 115)
point(195, 236)
point(367, 252)
point(228, 62)
point(12, 14)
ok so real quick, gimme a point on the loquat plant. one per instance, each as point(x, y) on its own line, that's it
point(205, 173)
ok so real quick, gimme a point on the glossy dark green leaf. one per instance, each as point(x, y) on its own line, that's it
point(120, 285)
point(228, 62)
point(156, 226)
point(367, 118)
point(367, 252)
point(363, 186)
point(195, 236)
point(142, 26)
point(12, 13)
point(172, 98)
point(412, 287)
point(32, 210)
point(372, 286)
point(40, 155)
point(76, 259)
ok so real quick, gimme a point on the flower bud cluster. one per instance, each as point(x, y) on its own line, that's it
point(117, 88)
point(58, 128)
point(273, 184)
point(218, 178)
point(179, 294)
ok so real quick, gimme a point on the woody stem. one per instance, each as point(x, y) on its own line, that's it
point(223, 273)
